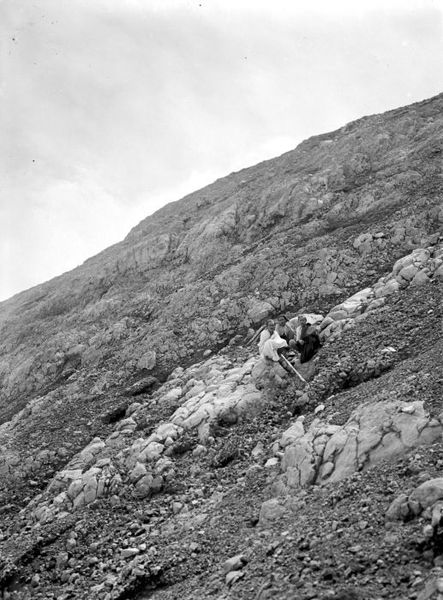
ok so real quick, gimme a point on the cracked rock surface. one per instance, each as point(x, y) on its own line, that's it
point(373, 433)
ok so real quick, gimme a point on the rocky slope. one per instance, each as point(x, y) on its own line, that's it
point(144, 444)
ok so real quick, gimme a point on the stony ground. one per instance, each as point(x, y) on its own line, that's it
point(321, 542)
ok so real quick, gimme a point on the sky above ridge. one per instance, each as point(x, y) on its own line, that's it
point(111, 108)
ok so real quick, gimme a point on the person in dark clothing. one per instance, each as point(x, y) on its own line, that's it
point(307, 341)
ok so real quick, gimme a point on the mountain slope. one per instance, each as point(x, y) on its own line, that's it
point(301, 232)
point(184, 279)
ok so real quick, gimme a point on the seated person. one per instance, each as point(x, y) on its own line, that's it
point(286, 332)
point(307, 341)
point(284, 329)
point(271, 344)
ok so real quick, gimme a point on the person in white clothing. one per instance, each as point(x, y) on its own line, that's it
point(270, 342)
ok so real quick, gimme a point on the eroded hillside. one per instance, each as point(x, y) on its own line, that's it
point(302, 229)
point(143, 442)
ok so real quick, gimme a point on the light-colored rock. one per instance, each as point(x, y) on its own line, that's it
point(234, 563)
point(391, 287)
point(152, 452)
point(251, 402)
point(137, 472)
point(259, 310)
point(129, 552)
point(353, 306)
point(437, 514)
point(267, 372)
point(176, 507)
point(408, 273)
point(157, 484)
point(363, 243)
point(326, 321)
point(233, 576)
point(147, 360)
point(270, 512)
point(428, 493)
point(294, 433)
point(258, 450)
point(79, 500)
point(421, 278)
point(163, 465)
point(90, 489)
point(143, 486)
point(374, 432)
point(376, 303)
point(338, 315)
point(167, 430)
point(127, 424)
point(75, 488)
point(398, 509)
point(172, 395)
point(300, 463)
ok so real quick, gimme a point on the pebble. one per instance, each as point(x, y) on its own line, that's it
point(62, 559)
point(428, 531)
point(233, 576)
point(234, 563)
point(257, 450)
point(129, 552)
point(176, 507)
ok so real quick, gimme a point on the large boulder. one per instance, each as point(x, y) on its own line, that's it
point(268, 373)
point(420, 278)
point(373, 433)
point(259, 310)
point(428, 493)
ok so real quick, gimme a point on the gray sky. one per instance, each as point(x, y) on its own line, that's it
point(111, 108)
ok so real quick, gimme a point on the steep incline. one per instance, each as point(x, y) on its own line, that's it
point(304, 231)
point(287, 232)
point(213, 485)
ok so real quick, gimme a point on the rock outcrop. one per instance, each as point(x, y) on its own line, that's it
point(375, 432)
